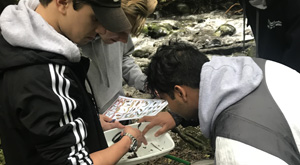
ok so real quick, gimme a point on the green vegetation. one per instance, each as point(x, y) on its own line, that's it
point(2, 161)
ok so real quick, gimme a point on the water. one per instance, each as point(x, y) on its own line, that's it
point(198, 30)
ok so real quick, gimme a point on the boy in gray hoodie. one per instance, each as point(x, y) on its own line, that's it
point(248, 107)
point(111, 60)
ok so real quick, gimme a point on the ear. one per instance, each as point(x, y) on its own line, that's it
point(180, 92)
point(62, 5)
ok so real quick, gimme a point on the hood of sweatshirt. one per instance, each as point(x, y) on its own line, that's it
point(224, 81)
point(22, 27)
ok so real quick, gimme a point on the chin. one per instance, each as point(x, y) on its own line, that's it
point(187, 117)
point(109, 42)
point(193, 117)
point(106, 41)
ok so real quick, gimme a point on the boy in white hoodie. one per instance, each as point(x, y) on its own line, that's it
point(46, 114)
point(248, 107)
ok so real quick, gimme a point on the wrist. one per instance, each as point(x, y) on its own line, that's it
point(128, 142)
point(176, 118)
point(134, 143)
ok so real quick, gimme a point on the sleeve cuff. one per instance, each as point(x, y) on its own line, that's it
point(176, 118)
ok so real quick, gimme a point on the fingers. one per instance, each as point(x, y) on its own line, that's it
point(148, 127)
point(161, 131)
point(163, 119)
point(117, 124)
point(109, 126)
point(146, 119)
point(133, 131)
point(108, 123)
point(141, 139)
point(105, 118)
point(144, 140)
point(137, 134)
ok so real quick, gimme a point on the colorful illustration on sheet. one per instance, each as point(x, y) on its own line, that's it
point(125, 108)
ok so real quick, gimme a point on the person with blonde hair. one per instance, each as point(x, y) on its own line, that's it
point(137, 11)
point(111, 61)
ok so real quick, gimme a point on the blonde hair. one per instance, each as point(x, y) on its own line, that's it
point(137, 11)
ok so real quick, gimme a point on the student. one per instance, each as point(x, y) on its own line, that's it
point(276, 28)
point(46, 114)
point(111, 61)
point(248, 107)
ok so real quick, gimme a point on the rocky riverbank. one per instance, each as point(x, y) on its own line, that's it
point(214, 33)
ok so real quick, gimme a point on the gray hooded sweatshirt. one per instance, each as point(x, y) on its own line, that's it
point(110, 65)
point(41, 36)
point(224, 81)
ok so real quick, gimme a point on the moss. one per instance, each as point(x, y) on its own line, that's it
point(2, 160)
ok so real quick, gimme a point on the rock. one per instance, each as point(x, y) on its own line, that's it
point(215, 42)
point(183, 8)
point(143, 63)
point(158, 32)
point(225, 29)
point(201, 21)
point(132, 92)
point(141, 53)
point(156, 15)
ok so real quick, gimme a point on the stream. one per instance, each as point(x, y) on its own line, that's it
point(202, 30)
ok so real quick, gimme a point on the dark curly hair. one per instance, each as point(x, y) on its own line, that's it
point(177, 63)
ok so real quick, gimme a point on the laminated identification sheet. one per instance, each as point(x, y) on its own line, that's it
point(126, 108)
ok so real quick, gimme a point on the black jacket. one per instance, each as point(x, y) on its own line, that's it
point(278, 30)
point(46, 115)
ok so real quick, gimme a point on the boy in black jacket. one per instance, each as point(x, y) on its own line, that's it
point(46, 114)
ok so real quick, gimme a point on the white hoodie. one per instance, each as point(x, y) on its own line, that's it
point(224, 81)
point(21, 21)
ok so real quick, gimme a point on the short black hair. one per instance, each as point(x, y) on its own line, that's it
point(177, 63)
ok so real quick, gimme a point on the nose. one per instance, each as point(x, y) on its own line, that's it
point(100, 29)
